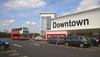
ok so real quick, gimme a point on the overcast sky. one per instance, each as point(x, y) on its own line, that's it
point(17, 13)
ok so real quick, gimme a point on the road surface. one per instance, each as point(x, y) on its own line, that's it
point(31, 48)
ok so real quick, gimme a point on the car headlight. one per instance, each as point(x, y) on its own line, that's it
point(6, 42)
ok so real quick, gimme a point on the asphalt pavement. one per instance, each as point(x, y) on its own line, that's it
point(31, 48)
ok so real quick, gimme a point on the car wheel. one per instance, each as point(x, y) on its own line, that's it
point(96, 45)
point(66, 44)
point(56, 43)
point(91, 44)
point(2, 47)
point(81, 45)
point(48, 42)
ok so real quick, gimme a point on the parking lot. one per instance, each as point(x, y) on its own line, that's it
point(90, 49)
point(31, 48)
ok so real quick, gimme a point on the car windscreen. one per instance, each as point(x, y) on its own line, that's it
point(95, 38)
point(61, 37)
point(87, 38)
point(68, 36)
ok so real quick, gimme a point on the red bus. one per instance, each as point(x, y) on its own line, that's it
point(20, 33)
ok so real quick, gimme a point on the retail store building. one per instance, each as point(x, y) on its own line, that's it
point(45, 22)
point(85, 23)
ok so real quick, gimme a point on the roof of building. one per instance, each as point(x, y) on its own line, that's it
point(76, 13)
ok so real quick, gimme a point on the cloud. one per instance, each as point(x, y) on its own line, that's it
point(24, 4)
point(65, 13)
point(33, 27)
point(11, 21)
point(30, 23)
point(84, 5)
point(6, 23)
point(36, 12)
point(87, 4)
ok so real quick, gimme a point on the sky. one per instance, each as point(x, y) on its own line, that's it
point(18, 13)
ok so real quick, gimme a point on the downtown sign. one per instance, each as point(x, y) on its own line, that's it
point(71, 23)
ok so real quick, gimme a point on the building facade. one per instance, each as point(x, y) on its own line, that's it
point(45, 22)
point(85, 23)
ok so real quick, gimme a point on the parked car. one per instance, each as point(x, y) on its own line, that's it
point(56, 40)
point(95, 41)
point(81, 41)
point(38, 38)
point(99, 41)
point(3, 45)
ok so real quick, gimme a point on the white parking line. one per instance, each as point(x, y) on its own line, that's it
point(1, 40)
point(17, 45)
point(35, 44)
